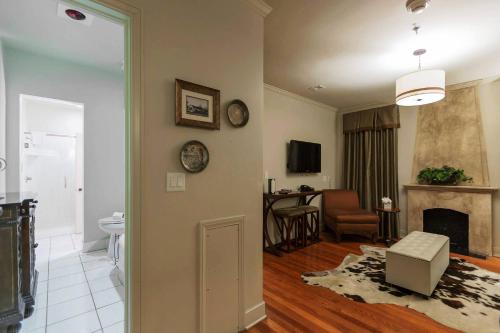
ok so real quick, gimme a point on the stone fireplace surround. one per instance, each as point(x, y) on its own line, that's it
point(476, 201)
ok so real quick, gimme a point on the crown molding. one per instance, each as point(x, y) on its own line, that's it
point(298, 97)
point(363, 107)
point(261, 6)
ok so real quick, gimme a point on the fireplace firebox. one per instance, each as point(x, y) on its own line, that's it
point(449, 223)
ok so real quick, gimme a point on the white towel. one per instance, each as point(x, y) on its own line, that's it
point(118, 215)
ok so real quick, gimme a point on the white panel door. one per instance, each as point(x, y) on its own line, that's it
point(49, 171)
point(222, 279)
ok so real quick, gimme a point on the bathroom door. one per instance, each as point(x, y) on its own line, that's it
point(49, 170)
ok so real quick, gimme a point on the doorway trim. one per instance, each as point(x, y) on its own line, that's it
point(130, 17)
point(23, 99)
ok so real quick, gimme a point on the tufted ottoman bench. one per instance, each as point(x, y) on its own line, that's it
point(418, 261)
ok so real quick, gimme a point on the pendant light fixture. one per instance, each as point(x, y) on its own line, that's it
point(420, 87)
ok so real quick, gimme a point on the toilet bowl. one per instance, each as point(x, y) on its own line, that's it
point(114, 226)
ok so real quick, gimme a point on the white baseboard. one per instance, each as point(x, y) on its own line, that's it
point(255, 314)
point(100, 244)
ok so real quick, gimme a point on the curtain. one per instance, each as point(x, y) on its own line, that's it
point(371, 158)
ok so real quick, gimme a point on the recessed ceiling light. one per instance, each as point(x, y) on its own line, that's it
point(75, 14)
point(417, 6)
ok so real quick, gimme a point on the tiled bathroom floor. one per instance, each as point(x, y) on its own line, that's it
point(77, 292)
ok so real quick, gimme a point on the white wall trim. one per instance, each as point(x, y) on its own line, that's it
point(96, 245)
point(205, 226)
point(261, 6)
point(255, 315)
point(357, 108)
point(298, 97)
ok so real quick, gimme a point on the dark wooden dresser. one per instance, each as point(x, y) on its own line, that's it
point(18, 276)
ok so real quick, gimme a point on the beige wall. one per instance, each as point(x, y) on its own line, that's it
point(291, 117)
point(489, 100)
point(406, 148)
point(217, 43)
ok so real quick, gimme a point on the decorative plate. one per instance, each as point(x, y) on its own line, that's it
point(237, 113)
point(194, 156)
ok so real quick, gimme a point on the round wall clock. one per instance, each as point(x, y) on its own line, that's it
point(237, 113)
point(194, 156)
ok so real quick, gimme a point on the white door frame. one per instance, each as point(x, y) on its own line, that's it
point(130, 17)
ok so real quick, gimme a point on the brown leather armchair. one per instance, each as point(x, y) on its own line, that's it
point(342, 214)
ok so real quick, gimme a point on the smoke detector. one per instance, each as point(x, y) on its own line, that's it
point(417, 6)
point(72, 14)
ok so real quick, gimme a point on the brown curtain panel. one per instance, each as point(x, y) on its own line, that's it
point(371, 157)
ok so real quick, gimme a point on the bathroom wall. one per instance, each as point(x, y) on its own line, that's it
point(101, 93)
point(219, 44)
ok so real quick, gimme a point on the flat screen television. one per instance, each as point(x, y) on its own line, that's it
point(304, 157)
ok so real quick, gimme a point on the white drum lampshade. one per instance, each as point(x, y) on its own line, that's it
point(419, 88)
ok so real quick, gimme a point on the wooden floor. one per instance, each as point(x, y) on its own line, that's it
point(293, 306)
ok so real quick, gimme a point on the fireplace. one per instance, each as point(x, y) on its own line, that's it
point(448, 208)
point(449, 222)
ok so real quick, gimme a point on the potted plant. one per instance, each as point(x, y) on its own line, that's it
point(442, 176)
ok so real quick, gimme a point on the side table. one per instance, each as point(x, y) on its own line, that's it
point(385, 217)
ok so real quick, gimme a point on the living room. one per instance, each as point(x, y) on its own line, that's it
point(401, 157)
point(290, 166)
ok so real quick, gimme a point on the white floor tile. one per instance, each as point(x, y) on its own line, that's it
point(41, 300)
point(66, 281)
point(38, 330)
point(63, 271)
point(101, 272)
point(68, 293)
point(43, 275)
point(83, 323)
point(36, 320)
point(69, 309)
point(116, 328)
point(100, 263)
point(64, 262)
point(41, 287)
point(111, 314)
point(109, 296)
point(96, 255)
point(63, 253)
point(104, 283)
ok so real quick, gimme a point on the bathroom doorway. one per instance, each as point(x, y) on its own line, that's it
point(51, 163)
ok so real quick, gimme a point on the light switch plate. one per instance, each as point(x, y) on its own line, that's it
point(176, 182)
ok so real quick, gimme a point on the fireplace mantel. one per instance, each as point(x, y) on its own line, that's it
point(475, 201)
point(451, 188)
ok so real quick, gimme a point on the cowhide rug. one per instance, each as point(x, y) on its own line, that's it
point(467, 298)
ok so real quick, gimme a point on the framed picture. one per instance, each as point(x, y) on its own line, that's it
point(196, 105)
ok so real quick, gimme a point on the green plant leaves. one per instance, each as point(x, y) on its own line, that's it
point(442, 176)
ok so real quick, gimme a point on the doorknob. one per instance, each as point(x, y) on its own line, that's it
point(80, 189)
point(27, 179)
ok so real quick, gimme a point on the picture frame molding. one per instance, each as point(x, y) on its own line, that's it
point(181, 85)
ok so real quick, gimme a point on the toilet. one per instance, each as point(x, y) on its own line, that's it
point(115, 227)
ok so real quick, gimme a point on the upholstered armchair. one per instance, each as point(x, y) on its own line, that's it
point(342, 214)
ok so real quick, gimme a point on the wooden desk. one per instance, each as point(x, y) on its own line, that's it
point(269, 200)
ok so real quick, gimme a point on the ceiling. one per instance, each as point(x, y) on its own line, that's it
point(358, 48)
point(34, 26)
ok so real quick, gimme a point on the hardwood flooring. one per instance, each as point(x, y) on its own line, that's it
point(293, 306)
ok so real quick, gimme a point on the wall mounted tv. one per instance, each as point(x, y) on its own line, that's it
point(304, 157)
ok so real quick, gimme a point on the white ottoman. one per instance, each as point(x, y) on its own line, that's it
point(418, 261)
